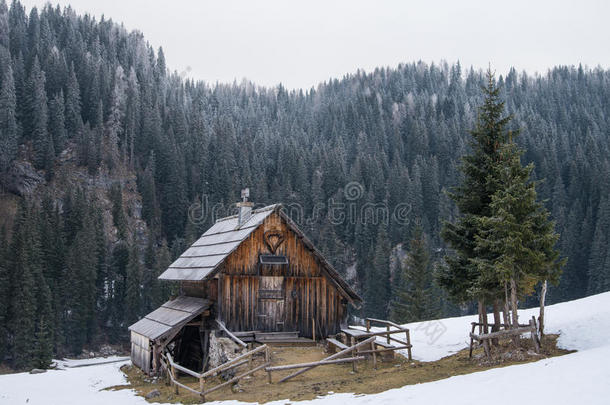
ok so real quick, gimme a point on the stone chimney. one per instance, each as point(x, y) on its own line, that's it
point(245, 208)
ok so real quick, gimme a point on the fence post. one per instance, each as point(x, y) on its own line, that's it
point(201, 388)
point(174, 377)
point(388, 327)
point(368, 325)
point(354, 368)
point(409, 343)
point(251, 358)
point(267, 358)
point(374, 354)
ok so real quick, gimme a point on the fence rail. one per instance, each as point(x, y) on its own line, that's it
point(328, 360)
point(247, 358)
point(404, 344)
point(484, 338)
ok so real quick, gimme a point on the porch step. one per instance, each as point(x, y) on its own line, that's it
point(298, 341)
point(269, 336)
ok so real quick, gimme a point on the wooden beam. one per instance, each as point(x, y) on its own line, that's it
point(315, 363)
point(334, 356)
point(232, 380)
point(226, 365)
point(230, 334)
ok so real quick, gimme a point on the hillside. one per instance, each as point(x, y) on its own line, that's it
point(588, 371)
point(110, 164)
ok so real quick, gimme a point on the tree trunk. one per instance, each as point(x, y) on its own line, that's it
point(541, 316)
point(497, 321)
point(485, 321)
point(480, 308)
point(513, 303)
point(506, 309)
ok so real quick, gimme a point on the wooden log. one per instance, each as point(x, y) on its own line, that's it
point(268, 361)
point(502, 333)
point(202, 388)
point(410, 345)
point(534, 334)
point(474, 325)
point(186, 370)
point(388, 329)
point(230, 334)
point(334, 356)
point(374, 354)
point(186, 387)
point(402, 342)
point(174, 381)
point(385, 349)
point(236, 378)
point(363, 334)
point(386, 322)
point(228, 364)
point(315, 363)
point(353, 343)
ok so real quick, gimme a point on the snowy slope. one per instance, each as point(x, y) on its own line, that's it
point(582, 377)
point(583, 324)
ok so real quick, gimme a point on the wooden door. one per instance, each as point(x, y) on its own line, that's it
point(271, 304)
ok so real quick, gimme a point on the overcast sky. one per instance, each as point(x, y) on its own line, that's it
point(303, 43)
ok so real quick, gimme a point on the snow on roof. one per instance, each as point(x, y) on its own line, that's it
point(214, 246)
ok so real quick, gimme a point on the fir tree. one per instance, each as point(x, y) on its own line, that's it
point(8, 120)
point(413, 296)
point(37, 114)
point(462, 278)
point(133, 298)
point(378, 287)
point(518, 232)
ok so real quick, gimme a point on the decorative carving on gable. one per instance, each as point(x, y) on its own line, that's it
point(273, 240)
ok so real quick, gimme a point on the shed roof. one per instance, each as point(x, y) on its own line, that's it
point(169, 316)
point(203, 257)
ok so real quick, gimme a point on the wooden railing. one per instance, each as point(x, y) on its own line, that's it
point(334, 359)
point(406, 344)
point(484, 338)
point(247, 358)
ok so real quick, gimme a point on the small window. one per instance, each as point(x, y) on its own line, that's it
point(274, 260)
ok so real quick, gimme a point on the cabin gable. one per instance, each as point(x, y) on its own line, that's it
point(295, 296)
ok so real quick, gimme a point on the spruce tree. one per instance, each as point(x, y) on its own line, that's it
point(133, 292)
point(25, 265)
point(412, 299)
point(37, 115)
point(517, 232)
point(378, 287)
point(461, 277)
point(8, 120)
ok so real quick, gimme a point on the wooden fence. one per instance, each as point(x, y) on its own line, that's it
point(406, 344)
point(484, 338)
point(247, 358)
point(333, 359)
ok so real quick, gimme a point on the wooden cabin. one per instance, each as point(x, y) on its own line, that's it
point(254, 271)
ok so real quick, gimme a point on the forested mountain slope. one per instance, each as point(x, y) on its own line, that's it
point(92, 107)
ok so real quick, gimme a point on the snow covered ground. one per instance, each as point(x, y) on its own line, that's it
point(582, 377)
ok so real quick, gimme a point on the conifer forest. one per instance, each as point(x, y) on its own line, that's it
point(112, 164)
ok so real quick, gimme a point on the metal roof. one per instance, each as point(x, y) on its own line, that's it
point(205, 255)
point(209, 251)
point(169, 316)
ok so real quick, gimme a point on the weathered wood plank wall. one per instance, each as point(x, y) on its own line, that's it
point(307, 293)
